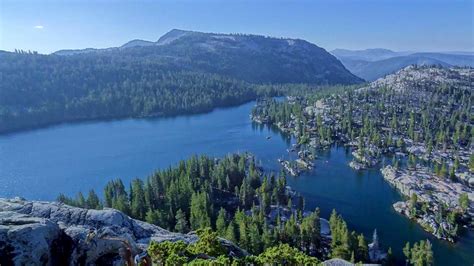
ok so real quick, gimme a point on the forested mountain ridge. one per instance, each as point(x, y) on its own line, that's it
point(252, 58)
point(183, 72)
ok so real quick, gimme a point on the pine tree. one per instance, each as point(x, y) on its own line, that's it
point(420, 254)
point(316, 234)
point(138, 203)
point(407, 252)
point(471, 162)
point(340, 237)
point(390, 261)
point(81, 201)
point(155, 217)
point(181, 223)
point(243, 235)
point(108, 195)
point(464, 202)
point(230, 232)
point(200, 211)
point(220, 223)
point(255, 239)
point(267, 237)
point(362, 249)
point(93, 201)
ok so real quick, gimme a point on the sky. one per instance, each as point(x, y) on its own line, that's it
point(401, 25)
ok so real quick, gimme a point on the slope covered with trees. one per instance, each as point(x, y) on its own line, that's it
point(231, 199)
point(238, 203)
point(184, 72)
point(38, 89)
point(421, 117)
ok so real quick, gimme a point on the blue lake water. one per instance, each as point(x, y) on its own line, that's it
point(68, 158)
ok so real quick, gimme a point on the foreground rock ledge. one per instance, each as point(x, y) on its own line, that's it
point(52, 233)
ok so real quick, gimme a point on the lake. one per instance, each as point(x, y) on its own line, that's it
point(40, 164)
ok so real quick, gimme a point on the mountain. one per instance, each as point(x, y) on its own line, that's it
point(132, 43)
point(377, 69)
point(251, 58)
point(367, 54)
point(452, 59)
point(182, 72)
point(174, 35)
point(81, 51)
point(135, 43)
point(372, 64)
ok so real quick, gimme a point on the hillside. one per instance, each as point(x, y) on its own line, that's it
point(420, 117)
point(251, 58)
point(372, 64)
point(183, 72)
point(370, 55)
point(376, 69)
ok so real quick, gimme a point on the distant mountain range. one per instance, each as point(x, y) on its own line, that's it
point(251, 58)
point(371, 64)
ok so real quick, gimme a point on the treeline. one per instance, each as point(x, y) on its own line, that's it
point(345, 244)
point(37, 89)
point(420, 254)
point(438, 117)
point(276, 112)
point(228, 195)
point(231, 197)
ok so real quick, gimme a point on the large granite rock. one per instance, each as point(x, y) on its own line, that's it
point(52, 233)
point(26, 240)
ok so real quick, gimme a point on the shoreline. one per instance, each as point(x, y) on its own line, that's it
point(116, 118)
point(428, 197)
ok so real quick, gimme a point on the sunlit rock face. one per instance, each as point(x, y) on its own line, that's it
point(51, 233)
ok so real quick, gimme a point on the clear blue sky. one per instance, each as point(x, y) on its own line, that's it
point(416, 25)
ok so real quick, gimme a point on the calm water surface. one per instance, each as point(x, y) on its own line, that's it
point(68, 158)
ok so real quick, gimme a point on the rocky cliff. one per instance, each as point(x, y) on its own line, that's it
point(51, 233)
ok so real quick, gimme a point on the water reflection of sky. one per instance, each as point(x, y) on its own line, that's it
point(68, 158)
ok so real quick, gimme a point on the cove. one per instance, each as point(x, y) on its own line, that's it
point(69, 158)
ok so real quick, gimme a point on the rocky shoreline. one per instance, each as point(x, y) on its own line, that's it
point(403, 116)
point(434, 203)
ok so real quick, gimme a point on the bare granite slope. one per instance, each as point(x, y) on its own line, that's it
point(51, 233)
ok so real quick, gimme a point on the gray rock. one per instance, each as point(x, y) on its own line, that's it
point(52, 233)
point(30, 240)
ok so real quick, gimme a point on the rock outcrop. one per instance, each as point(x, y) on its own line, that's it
point(52, 233)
